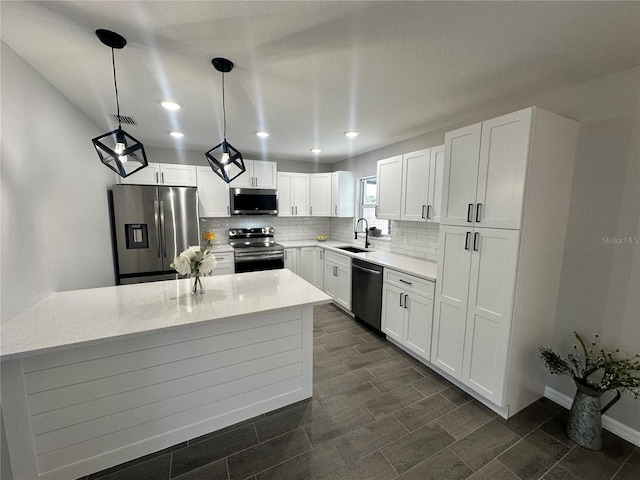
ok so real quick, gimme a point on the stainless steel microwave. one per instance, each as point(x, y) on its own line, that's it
point(253, 201)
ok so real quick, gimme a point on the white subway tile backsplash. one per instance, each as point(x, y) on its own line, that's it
point(287, 228)
point(407, 238)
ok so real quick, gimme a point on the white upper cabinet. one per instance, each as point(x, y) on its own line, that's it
point(320, 194)
point(162, 174)
point(258, 175)
point(178, 175)
point(460, 178)
point(213, 193)
point(414, 185)
point(504, 150)
point(293, 194)
point(484, 172)
point(410, 186)
point(436, 170)
point(389, 198)
point(342, 194)
point(149, 175)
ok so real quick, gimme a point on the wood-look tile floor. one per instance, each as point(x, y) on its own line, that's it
point(378, 414)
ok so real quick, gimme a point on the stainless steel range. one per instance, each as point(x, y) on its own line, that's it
point(255, 249)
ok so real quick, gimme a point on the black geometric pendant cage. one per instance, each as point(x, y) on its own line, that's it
point(117, 149)
point(224, 159)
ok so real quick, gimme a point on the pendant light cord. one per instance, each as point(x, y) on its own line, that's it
point(115, 84)
point(224, 112)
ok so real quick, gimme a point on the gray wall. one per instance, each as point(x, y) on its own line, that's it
point(195, 157)
point(55, 227)
point(55, 223)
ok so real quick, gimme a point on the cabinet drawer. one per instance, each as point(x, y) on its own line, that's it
point(223, 257)
point(409, 283)
point(336, 258)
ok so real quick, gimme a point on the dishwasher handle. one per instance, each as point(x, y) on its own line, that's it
point(368, 270)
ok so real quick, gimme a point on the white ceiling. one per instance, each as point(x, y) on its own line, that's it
point(308, 71)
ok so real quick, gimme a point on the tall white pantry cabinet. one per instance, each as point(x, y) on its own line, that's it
point(505, 203)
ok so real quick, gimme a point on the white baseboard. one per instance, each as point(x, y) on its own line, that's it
point(608, 423)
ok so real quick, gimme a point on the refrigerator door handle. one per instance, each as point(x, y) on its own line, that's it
point(163, 233)
point(155, 217)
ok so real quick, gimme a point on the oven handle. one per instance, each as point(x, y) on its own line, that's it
point(251, 258)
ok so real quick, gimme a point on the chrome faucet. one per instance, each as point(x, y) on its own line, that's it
point(366, 232)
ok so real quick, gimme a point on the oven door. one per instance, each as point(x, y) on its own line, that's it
point(259, 262)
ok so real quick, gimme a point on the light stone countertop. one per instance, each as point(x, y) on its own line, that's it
point(76, 318)
point(221, 248)
point(426, 269)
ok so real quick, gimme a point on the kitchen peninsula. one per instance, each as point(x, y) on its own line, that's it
point(93, 378)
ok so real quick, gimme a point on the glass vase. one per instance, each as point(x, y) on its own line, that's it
point(197, 287)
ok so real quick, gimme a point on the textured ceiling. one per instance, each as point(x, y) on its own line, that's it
point(308, 71)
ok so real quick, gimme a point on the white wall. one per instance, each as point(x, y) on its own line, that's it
point(55, 223)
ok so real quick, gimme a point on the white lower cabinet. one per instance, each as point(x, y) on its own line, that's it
point(291, 259)
point(337, 278)
point(311, 265)
point(474, 305)
point(225, 265)
point(407, 311)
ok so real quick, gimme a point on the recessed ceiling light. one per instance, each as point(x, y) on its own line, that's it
point(176, 134)
point(316, 150)
point(170, 105)
point(351, 133)
point(262, 134)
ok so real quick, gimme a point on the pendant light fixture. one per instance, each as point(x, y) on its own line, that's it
point(225, 160)
point(117, 149)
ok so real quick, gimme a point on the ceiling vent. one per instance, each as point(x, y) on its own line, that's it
point(124, 119)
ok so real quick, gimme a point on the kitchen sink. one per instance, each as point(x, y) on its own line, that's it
point(352, 249)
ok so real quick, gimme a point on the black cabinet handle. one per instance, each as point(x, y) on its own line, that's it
point(466, 241)
point(478, 207)
point(470, 213)
point(476, 241)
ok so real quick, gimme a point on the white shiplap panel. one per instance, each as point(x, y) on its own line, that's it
point(88, 391)
point(115, 347)
point(108, 407)
point(105, 367)
point(265, 388)
point(236, 380)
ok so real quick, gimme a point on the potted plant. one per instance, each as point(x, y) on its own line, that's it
point(196, 261)
point(594, 372)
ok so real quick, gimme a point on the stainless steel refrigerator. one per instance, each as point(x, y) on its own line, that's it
point(151, 225)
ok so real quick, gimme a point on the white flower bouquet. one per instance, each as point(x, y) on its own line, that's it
point(195, 260)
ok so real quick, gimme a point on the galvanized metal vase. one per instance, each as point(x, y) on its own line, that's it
point(585, 418)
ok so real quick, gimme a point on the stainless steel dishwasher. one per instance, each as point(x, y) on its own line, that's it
point(366, 292)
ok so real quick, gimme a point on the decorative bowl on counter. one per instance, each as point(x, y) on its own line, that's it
point(321, 238)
